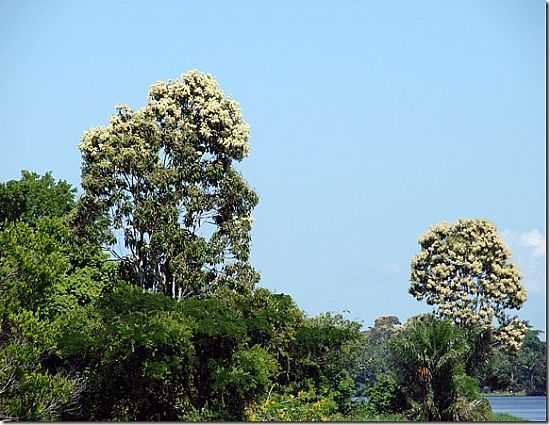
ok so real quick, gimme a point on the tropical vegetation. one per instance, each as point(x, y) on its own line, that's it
point(136, 300)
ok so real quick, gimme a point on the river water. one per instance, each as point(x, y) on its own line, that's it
point(531, 408)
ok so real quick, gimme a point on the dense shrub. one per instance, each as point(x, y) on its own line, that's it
point(384, 397)
point(305, 406)
point(147, 356)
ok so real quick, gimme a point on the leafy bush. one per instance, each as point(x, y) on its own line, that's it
point(323, 355)
point(34, 197)
point(505, 417)
point(250, 373)
point(361, 412)
point(27, 391)
point(469, 406)
point(383, 397)
point(305, 406)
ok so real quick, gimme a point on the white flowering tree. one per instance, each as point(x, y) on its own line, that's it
point(163, 176)
point(464, 269)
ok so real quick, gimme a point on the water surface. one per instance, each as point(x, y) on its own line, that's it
point(530, 408)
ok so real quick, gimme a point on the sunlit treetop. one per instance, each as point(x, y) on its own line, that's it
point(164, 176)
point(465, 270)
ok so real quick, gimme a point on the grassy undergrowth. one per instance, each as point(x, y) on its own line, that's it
point(505, 417)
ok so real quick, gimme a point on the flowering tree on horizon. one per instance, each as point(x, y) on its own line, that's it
point(464, 269)
point(163, 178)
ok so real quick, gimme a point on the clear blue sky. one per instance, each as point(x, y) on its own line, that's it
point(371, 120)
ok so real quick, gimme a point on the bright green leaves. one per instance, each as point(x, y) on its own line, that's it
point(27, 390)
point(305, 406)
point(248, 374)
point(323, 356)
point(32, 264)
point(34, 197)
point(152, 357)
point(37, 270)
point(164, 178)
point(46, 274)
point(383, 397)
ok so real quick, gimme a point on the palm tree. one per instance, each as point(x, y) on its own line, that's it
point(428, 357)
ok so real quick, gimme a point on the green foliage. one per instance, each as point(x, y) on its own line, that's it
point(38, 396)
point(428, 357)
point(147, 356)
point(505, 417)
point(524, 371)
point(31, 265)
point(373, 356)
point(467, 387)
point(305, 406)
point(324, 356)
point(192, 414)
point(312, 406)
point(323, 348)
point(533, 364)
point(34, 197)
point(383, 397)
point(173, 328)
point(37, 271)
point(141, 365)
point(469, 405)
point(250, 373)
point(43, 278)
point(361, 412)
point(163, 177)
point(27, 391)
point(135, 351)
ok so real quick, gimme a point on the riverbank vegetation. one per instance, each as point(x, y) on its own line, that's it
point(505, 417)
point(136, 300)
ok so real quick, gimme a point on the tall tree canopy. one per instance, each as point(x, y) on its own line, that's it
point(164, 177)
point(465, 270)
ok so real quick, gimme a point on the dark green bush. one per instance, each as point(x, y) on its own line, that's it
point(384, 397)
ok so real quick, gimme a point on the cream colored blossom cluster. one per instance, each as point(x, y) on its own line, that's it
point(463, 313)
point(195, 106)
point(191, 111)
point(130, 137)
point(184, 119)
point(511, 335)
